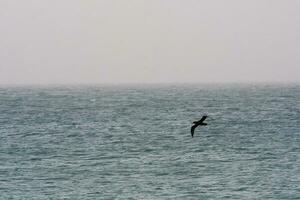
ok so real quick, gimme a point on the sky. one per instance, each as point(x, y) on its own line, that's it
point(149, 41)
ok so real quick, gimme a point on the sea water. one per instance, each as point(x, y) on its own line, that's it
point(134, 142)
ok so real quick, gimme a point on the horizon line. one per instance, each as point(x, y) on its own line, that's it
point(108, 84)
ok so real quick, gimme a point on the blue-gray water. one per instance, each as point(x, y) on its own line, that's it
point(134, 142)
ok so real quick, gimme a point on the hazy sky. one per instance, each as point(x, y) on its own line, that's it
point(117, 41)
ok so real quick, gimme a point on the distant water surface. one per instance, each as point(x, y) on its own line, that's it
point(133, 142)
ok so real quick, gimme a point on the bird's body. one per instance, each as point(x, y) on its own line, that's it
point(198, 123)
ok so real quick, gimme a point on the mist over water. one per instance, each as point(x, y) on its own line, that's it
point(134, 142)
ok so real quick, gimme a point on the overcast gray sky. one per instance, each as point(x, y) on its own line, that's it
point(124, 41)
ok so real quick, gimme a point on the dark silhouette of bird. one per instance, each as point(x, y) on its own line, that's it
point(198, 123)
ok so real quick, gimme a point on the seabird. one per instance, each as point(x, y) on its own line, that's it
point(198, 123)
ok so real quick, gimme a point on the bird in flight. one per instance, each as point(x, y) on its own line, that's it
point(198, 123)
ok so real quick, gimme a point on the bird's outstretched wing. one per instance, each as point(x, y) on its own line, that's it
point(193, 129)
point(202, 119)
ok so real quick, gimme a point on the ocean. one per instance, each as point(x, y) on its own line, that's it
point(134, 142)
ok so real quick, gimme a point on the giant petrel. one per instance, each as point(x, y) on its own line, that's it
point(198, 123)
